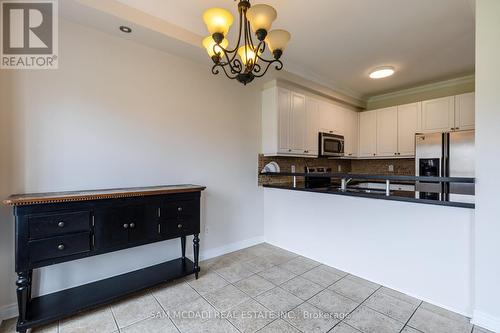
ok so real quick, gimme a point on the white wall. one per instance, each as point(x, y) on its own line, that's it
point(487, 231)
point(121, 114)
point(421, 250)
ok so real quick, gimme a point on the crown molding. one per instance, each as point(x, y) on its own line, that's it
point(423, 88)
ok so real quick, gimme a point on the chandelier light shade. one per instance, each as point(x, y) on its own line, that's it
point(261, 17)
point(212, 47)
point(218, 20)
point(277, 40)
point(245, 61)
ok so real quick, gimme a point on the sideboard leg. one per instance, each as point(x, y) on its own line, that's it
point(196, 248)
point(23, 287)
point(30, 283)
point(183, 247)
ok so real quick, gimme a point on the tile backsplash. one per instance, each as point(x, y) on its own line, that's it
point(376, 167)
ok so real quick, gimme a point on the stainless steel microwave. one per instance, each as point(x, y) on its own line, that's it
point(331, 145)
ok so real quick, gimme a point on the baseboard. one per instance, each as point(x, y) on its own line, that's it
point(485, 320)
point(218, 251)
point(8, 312)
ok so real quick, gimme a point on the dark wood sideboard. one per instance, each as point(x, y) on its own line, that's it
point(53, 228)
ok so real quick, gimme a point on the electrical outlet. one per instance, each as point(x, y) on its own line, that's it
point(339, 168)
point(206, 230)
point(391, 168)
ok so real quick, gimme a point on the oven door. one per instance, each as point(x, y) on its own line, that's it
point(331, 145)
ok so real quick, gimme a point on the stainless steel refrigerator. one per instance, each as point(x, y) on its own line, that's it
point(445, 155)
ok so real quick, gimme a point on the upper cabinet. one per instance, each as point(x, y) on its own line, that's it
point(291, 122)
point(387, 131)
point(351, 129)
point(438, 115)
point(368, 134)
point(408, 115)
point(465, 111)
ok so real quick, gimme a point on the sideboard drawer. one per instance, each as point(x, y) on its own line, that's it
point(181, 209)
point(48, 225)
point(56, 247)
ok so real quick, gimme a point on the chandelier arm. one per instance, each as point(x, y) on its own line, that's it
point(250, 33)
point(229, 76)
point(278, 67)
point(234, 51)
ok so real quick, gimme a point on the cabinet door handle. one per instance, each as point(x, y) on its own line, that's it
point(125, 226)
point(179, 226)
point(289, 150)
point(179, 209)
point(60, 224)
point(60, 247)
point(132, 225)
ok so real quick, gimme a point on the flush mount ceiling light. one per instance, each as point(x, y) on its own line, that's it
point(125, 29)
point(251, 63)
point(381, 72)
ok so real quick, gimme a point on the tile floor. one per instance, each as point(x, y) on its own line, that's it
point(265, 289)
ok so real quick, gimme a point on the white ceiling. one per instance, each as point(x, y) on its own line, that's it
point(338, 42)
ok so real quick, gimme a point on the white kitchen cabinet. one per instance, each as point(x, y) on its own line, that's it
point(438, 115)
point(331, 118)
point(465, 111)
point(350, 132)
point(312, 126)
point(387, 132)
point(284, 120)
point(407, 128)
point(298, 127)
point(368, 134)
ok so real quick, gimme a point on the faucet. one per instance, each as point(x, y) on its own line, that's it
point(344, 183)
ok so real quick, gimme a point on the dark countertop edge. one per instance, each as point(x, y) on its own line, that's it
point(87, 195)
point(372, 196)
point(369, 176)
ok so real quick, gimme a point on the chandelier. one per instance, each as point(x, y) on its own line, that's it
point(245, 61)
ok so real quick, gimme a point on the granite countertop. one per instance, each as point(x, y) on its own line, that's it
point(405, 196)
point(56, 197)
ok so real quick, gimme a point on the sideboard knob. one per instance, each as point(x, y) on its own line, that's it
point(179, 226)
point(125, 226)
point(179, 209)
point(60, 247)
point(132, 225)
point(60, 224)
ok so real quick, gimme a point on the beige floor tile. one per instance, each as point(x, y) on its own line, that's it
point(299, 265)
point(215, 325)
point(344, 328)
point(432, 322)
point(254, 285)
point(226, 298)
point(8, 326)
point(235, 272)
point(97, 321)
point(277, 275)
point(134, 309)
point(445, 313)
point(400, 296)
point(250, 316)
point(391, 306)
point(259, 264)
point(371, 321)
point(158, 324)
point(352, 289)
point(172, 294)
point(322, 276)
point(278, 300)
point(302, 288)
point(408, 329)
point(363, 282)
point(207, 282)
point(189, 317)
point(308, 318)
point(337, 305)
point(478, 329)
point(279, 326)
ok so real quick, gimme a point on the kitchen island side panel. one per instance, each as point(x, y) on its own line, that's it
point(421, 250)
